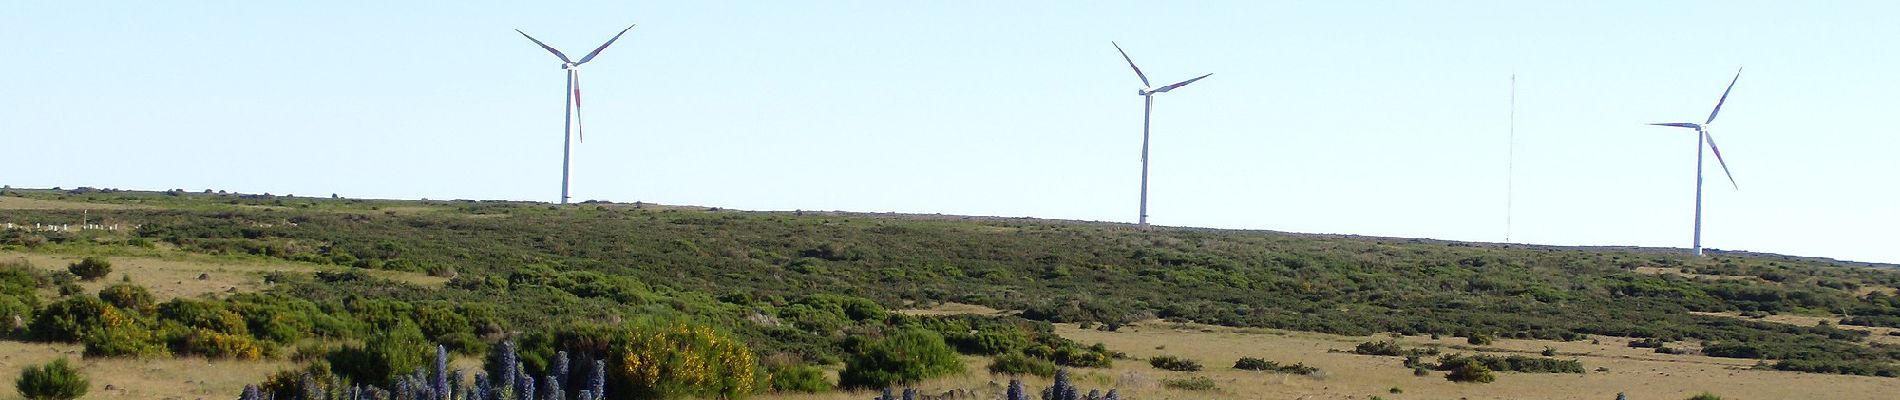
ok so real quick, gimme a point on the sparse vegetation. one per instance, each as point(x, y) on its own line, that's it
point(814, 286)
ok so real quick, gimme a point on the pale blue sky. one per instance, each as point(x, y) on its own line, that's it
point(1373, 118)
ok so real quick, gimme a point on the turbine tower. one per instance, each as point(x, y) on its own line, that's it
point(571, 120)
point(1147, 93)
point(1702, 136)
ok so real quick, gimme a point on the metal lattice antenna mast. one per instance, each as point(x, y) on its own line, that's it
point(1510, 165)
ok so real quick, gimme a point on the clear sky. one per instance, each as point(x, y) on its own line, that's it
point(1372, 118)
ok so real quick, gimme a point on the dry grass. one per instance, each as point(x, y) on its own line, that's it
point(1640, 373)
point(177, 275)
point(166, 378)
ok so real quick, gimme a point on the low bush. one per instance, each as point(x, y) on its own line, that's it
point(212, 344)
point(800, 379)
point(1471, 371)
point(90, 268)
point(1198, 383)
point(1256, 364)
point(73, 318)
point(1018, 364)
point(129, 297)
point(57, 380)
point(905, 357)
point(397, 350)
point(1379, 348)
point(1705, 396)
point(1173, 363)
point(1479, 339)
point(1512, 363)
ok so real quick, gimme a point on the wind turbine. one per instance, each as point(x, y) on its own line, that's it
point(1147, 93)
point(571, 121)
point(1702, 135)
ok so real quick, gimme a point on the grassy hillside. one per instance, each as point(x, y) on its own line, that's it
point(608, 262)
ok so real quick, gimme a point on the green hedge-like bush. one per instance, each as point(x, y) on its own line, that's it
point(908, 356)
point(1512, 363)
point(398, 350)
point(1257, 364)
point(1198, 383)
point(1018, 364)
point(800, 379)
point(1173, 363)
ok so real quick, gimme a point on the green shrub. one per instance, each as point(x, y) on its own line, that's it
point(1173, 363)
point(1197, 383)
point(1512, 363)
point(1256, 364)
point(1479, 339)
point(1379, 348)
point(1471, 371)
point(1705, 396)
point(57, 380)
point(73, 318)
point(908, 356)
point(396, 350)
point(987, 343)
point(206, 314)
point(1018, 364)
point(801, 379)
point(129, 297)
point(14, 314)
point(90, 268)
point(125, 339)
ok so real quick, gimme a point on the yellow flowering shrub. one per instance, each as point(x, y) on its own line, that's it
point(672, 360)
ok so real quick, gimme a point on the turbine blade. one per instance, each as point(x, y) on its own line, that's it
point(579, 128)
point(603, 46)
point(1718, 160)
point(557, 53)
point(1718, 103)
point(1690, 125)
point(1182, 83)
point(1131, 64)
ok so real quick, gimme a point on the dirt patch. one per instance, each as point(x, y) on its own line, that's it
point(953, 309)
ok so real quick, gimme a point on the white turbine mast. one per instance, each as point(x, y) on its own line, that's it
point(1147, 93)
point(570, 121)
point(1702, 136)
